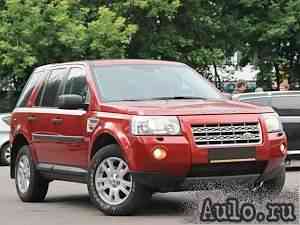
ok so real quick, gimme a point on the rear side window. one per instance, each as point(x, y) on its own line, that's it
point(76, 84)
point(53, 88)
point(32, 82)
point(40, 93)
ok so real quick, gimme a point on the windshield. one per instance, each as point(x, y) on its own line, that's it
point(151, 82)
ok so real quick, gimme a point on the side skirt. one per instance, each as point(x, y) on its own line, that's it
point(64, 173)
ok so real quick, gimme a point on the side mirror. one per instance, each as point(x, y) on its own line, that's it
point(71, 102)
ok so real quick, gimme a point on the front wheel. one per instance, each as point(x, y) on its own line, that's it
point(111, 187)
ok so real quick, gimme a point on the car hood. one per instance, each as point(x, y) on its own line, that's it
point(184, 107)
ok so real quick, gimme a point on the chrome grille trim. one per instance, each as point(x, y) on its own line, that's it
point(246, 133)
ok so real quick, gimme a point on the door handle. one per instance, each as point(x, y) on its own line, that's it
point(57, 121)
point(31, 118)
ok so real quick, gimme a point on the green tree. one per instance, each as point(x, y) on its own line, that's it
point(175, 30)
point(201, 33)
point(271, 35)
point(36, 32)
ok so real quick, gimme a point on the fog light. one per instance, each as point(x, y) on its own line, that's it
point(159, 154)
point(283, 148)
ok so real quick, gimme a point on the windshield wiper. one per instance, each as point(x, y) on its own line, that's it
point(160, 98)
point(177, 97)
point(127, 100)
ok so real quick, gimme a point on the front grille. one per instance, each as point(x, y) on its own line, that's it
point(227, 133)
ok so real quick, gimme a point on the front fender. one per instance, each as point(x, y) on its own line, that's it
point(118, 133)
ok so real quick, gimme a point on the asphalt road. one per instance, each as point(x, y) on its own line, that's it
point(69, 204)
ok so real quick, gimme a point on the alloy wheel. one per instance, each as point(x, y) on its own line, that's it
point(113, 181)
point(23, 174)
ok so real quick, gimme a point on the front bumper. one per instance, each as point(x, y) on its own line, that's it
point(185, 160)
point(214, 179)
point(183, 153)
point(182, 156)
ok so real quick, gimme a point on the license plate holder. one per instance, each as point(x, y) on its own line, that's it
point(231, 154)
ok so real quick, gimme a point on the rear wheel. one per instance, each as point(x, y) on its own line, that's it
point(31, 187)
point(111, 187)
point(5, 155)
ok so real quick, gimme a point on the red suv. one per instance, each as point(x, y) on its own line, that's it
point(129, 128)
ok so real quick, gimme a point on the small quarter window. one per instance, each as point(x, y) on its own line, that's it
point(27, 91)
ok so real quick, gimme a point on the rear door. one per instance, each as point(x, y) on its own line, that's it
point(24, 112)
point(288, 107)
point(44, 116)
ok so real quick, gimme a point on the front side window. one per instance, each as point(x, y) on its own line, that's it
point(150, 82)
point(76, 84)
point(32, 82)
point(53, 87)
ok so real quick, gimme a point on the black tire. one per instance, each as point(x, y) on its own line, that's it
point(38, 186)
point(138, 196)
point(273, 187)
point(3, 159)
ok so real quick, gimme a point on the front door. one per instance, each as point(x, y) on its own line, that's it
point(71, 127)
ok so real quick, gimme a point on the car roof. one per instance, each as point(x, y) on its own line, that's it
point(132, 61)
point(285, 93)
point(266, 94)
point(106, 62)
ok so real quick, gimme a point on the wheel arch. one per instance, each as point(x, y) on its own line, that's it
point(19, 141)
point(107, 137)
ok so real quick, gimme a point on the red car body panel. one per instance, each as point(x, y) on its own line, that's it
point(114, 119)
point(184, 108)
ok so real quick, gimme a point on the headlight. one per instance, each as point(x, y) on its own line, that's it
point(273, 122)
point(155, 125)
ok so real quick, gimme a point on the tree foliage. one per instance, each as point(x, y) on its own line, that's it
point(200, 33)
point(272, 36)
point(36, 32)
